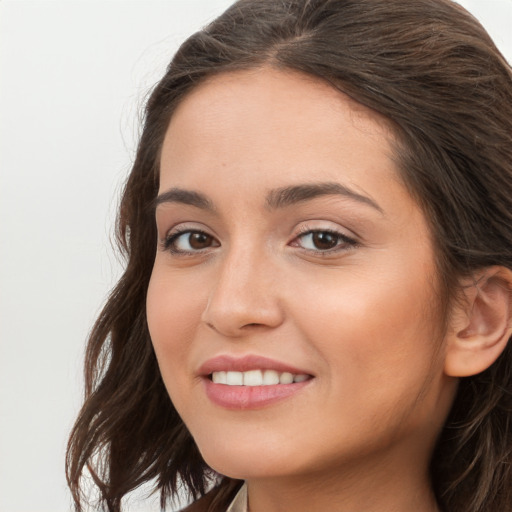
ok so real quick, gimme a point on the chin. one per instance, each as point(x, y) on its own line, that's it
point(246, 460)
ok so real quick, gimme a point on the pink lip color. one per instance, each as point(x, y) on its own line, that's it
point(248, 397)
point(228, 363)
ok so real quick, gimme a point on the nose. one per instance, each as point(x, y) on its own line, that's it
point(245, 296)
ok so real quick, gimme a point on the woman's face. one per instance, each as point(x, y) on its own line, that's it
point(289, 251)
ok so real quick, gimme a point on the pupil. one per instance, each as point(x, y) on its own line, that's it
point(199, 240)
point(323, 240)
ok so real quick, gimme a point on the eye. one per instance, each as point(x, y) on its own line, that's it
point(323, 241)
point(189, 241)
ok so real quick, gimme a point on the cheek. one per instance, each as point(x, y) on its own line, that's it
point(376, 328)
point(173, 314)
point(380, 355)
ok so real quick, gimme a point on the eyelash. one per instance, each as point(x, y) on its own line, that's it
point(168, 243)
point(343, 241)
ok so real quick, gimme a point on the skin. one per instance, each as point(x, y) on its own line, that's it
point(360, 317)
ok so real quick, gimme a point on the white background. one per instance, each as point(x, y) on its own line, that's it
point(73, 77)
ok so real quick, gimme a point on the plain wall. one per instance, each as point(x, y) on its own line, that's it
point(73, 76)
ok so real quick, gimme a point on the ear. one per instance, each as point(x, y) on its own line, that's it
point(480, 323)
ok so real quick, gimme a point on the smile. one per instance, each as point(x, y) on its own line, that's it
point(251, 381)
point(257, 378)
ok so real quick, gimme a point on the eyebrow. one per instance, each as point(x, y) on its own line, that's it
point(179, 195)
point(276, 198)
point(287, 196)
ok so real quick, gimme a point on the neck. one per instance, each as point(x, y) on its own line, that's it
point(368, 489)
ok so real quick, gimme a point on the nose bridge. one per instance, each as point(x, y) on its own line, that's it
point(245, 291)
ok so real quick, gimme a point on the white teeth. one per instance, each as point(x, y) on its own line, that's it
point(234, 378)
point(285, 378)
point(257, 378)
point(270, 377)
point(253, 378)
point(219, 377)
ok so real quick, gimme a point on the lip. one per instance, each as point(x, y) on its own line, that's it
point(249, 397)
point(230, 363)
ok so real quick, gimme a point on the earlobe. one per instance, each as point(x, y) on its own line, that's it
point(480, 324)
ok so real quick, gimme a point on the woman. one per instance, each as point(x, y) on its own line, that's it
point(318, 234)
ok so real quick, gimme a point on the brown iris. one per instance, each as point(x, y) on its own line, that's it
point(199, 240)
point(324, 240)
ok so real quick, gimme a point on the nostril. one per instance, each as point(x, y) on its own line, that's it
point(251, 325)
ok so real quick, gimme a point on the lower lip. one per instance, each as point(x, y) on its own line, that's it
point(250, 397)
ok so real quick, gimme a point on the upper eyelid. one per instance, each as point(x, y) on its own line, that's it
point(308, 230)
point(307, 227)
point(344, 237)
point(184, 227)
point(172, 232)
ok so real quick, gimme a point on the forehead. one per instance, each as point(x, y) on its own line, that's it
point(281, 121)
point(283, 90)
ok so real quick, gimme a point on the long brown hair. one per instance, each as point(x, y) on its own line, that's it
point(431, 69)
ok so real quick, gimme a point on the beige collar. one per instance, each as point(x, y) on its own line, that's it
point(239, 504)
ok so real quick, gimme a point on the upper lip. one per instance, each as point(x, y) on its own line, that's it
point(246, 363)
